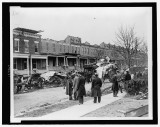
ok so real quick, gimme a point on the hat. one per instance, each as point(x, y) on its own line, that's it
point(96, 74)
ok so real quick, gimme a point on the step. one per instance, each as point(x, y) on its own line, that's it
point(135, 112)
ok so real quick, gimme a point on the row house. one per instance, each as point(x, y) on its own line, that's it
point(32, 53)
point(66, 54)
point(27, 52)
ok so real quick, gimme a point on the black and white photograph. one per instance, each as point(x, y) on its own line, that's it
point(81, 63)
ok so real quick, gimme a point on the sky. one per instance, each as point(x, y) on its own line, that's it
point(94, 25)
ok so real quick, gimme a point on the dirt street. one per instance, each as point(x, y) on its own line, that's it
point(43, 97)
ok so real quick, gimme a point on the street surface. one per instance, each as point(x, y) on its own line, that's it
point(35, 100)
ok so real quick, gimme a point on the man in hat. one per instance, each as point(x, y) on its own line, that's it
point(75, 83)
point(127, 76)
point(96, 88)
point(81, 88)
point(115, 87)
point(119, 80)
point(69, 87)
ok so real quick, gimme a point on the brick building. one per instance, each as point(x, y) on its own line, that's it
point(27, 52)
point(66, 54)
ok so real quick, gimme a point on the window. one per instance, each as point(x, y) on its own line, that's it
point(39, 63)
point(60, 48)
point(16, 45)
point(26, 46)
point(72, 49)
point(36, 46)
point(53, 47)
point(64, 49)
point(43, 62)
point(34, 63)
point(20, 63)
point(76, 50)
point(15, 63)
point(24, 64)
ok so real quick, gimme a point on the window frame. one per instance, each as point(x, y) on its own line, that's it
point(36, 43)
point(16, 40)
point(15, 62)
point(25, 45)
point(54, 47)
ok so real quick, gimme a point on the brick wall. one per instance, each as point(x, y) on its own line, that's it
point(31, 44)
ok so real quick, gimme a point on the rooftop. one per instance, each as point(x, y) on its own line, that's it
point(28, 30)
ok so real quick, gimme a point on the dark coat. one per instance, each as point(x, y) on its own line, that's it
point(69, 87)
point(96, 87)
point(127, 77)
point(75, 83)
point(81, 87)
point(114, 83)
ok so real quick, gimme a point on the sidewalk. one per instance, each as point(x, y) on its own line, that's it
point(76, 112)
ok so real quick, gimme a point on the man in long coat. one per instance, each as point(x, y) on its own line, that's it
point(81, 88)
point(96, 88)
point(69, 87)
point(75, 83)
point(127, 76)
point(115, 87)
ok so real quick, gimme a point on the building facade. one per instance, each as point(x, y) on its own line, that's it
point(33, 54)
point(27, 52)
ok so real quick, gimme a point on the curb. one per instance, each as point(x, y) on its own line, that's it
point(136, 112)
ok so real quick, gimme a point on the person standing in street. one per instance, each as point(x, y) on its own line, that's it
point(119, 80)
point(69, 87)
point(81, 92)
point(115, 87)
point(96, 88)
point(75, 83)
point(127, 76)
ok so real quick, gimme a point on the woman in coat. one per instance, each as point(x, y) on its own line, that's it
point(81, 89)
point(96, 88)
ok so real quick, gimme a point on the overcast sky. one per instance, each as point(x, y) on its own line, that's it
point(94, 25)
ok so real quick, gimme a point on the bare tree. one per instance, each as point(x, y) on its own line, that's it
point(129, 43)
point(144, 48)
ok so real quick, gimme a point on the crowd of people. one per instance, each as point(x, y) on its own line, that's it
point(75, 85)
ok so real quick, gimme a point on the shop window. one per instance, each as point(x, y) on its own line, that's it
point(16, 45)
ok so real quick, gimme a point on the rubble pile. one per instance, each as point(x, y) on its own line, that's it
point(137, 87)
